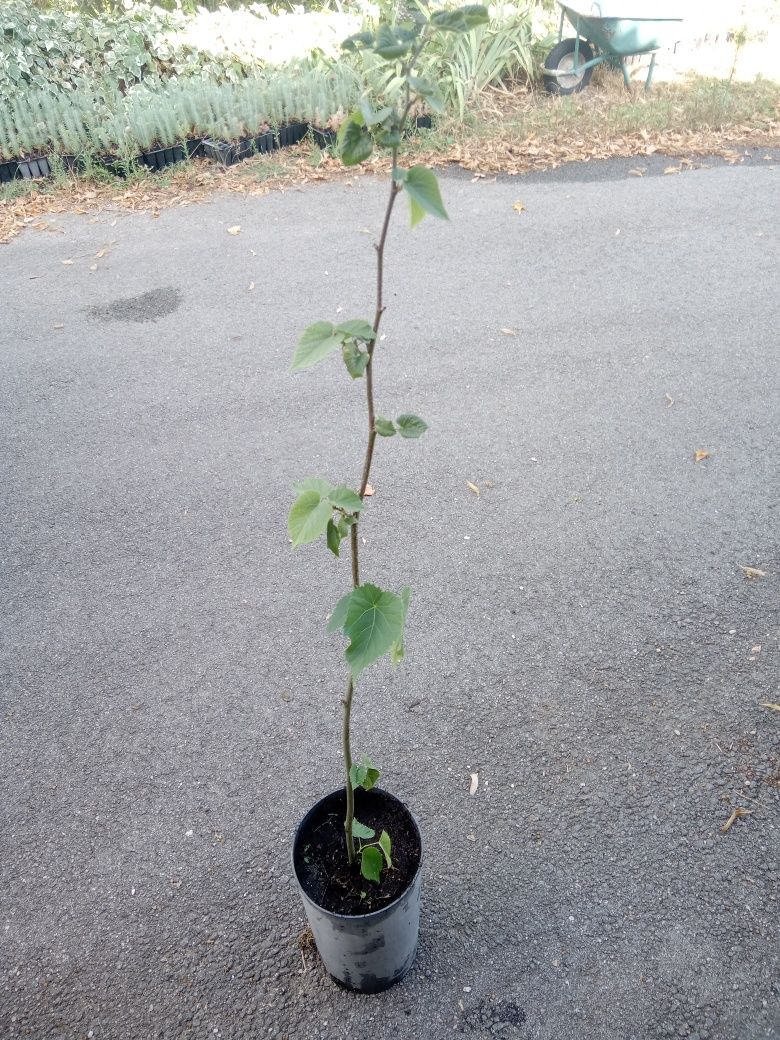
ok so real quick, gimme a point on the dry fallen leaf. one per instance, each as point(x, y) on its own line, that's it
point(235, 230)
point(771, 706)
point(59, 325)
point(752, 572)
point(700, 455)
point(369, 491)
point(756, 649)
point(93, 267)
point(474, 783)
point(672, 169)
point(472, 487)
point(669, 400)
point(739, 811)
point(67, 262)
point(637, 173)
point(509, 332)
point(251, 286)
point(518, 206)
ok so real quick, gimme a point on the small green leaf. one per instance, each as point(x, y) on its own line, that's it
point(390, 138)
point(370, 773)
point(411, 426)
point(371, 117)
point(344, 523)
point(339, 616)
point(392, 42)
point(357, 775)
point(462, 19)
point(355, 359)
point(322, 487)
point(309, 518)
point(339, 496)
point(416, 212)
point(357, 329)
point(371, 863)
point(315, 344)
point(397, 649)
point(374, 623)
point(355, 143)
point(423, 189)
point(359, 830)
point(427, 90)
point(342, 497)
point(384, 427)
point(358, 41)
point(333, 537)
point(385, 846)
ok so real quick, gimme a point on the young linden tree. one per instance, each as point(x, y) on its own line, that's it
point(372, 618)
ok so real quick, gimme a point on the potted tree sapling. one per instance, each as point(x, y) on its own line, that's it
point(357, 854)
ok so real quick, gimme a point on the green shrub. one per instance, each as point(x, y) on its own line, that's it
point(464, 66)
point(61, 46)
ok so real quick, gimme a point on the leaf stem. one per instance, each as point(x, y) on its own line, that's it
point(348, 767)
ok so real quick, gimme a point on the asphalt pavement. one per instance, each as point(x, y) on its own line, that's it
point(583, 635)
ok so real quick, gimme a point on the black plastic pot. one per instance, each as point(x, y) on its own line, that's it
point(30, 169)
point(267, 142)
point(72, 163)
point(115, 165)
point(292, 134)
point(423, 122)
point(365, 952)
point(8, 171)
point(159, 158)
point(194, 147)
point(323, 138)
point(229, 154)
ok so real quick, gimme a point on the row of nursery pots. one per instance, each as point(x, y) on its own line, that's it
point(224, 152)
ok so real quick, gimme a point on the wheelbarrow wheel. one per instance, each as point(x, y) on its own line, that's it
point(561, 60)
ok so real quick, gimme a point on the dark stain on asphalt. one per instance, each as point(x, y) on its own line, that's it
point(498, 1019)
point(149, 306)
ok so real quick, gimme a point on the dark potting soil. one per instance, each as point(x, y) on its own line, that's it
point(320, 855)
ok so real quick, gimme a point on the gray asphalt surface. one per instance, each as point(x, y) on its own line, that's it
point(581, 634)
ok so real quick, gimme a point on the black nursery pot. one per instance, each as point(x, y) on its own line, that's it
point(323, 138)
point(8, 171)
point(115, 165)
point(194, 147)
point(367, 952)
point(292, 134)
point(267, 142)
point(30, 169)
point(159, 158)
point(72, 163)
point(229, 154)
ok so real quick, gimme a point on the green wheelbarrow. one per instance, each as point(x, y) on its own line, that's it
point(603, 35)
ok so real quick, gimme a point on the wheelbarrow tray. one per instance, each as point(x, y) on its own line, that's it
point(618, 35)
